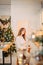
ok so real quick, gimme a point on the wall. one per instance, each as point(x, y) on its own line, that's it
point(5, 9)
point(42, 15)
point(25, 13)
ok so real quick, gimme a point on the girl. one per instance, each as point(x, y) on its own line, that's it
point(21, 44)
point(21, 40)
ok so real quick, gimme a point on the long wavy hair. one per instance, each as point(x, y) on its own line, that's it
point(20, 32)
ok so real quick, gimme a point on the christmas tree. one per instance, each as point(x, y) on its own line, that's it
point(6, 34)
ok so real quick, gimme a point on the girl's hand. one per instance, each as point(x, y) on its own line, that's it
point(29, 48)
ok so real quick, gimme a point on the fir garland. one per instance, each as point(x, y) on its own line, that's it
point(39, 39)
point(6, 35)
point(5, 21)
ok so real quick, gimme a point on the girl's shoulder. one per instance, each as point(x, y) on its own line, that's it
point(18, 37)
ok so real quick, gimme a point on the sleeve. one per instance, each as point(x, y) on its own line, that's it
point(17, 42)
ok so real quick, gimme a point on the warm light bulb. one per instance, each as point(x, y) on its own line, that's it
point(33, 36)
point(21, 55)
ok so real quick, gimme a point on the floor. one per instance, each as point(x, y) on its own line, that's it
point(14, 59)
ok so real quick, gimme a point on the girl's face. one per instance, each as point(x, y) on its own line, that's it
point(23, 32)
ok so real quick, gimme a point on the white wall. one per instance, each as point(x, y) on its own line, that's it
point(42, 15)
point(25, 13)
point(5, 9)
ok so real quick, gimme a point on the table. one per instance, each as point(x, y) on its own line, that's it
point(5, 49)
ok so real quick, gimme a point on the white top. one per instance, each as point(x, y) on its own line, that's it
point(20, 43)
